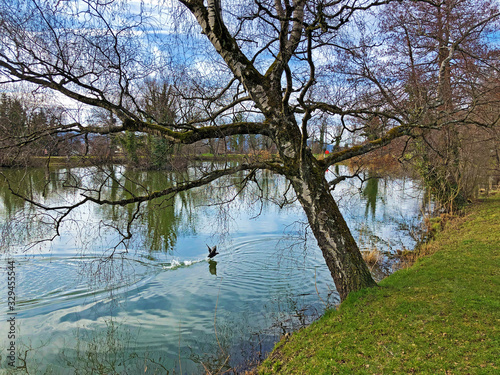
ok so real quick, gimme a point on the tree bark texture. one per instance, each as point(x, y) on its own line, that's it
point(340, 251)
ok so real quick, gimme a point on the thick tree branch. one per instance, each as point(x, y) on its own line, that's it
point(198, 134)
point(187, 185)
point(216, 31)
point(353, 151)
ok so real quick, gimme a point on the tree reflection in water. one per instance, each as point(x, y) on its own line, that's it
point(97, 301)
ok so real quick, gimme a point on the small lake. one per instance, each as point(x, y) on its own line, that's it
point(158, 305)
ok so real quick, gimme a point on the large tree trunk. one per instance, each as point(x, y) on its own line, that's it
point(340, 251)
point(343, 258)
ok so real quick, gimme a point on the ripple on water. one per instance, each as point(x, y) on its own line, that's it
point(163, 304)
point(47, 284)
point(263, 267)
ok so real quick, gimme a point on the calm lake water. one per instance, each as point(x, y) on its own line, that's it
point(159, 304)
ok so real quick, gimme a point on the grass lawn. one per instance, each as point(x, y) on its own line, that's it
point(441, 316)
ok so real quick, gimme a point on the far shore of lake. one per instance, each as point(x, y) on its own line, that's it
point(79, 161)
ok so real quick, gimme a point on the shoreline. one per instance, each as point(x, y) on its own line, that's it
point(437, 316)
point(85, 161)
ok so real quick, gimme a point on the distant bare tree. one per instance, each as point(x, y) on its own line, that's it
point(441, 50)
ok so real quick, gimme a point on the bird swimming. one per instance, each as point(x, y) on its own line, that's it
point(212, 251)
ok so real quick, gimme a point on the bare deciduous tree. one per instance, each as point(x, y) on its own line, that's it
point(443, 50)
point(281, 63)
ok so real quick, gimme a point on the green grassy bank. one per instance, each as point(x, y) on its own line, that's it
point(441, 316)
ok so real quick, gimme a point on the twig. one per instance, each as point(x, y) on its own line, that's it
point(180, 362)
point(215, 330)
point(215, 318)
point(317, 291)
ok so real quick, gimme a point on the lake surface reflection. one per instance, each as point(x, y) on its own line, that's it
point(158, 305)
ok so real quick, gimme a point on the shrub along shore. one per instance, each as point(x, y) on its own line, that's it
point(440, 316)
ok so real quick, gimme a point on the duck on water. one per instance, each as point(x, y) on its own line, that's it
point(212, 251)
